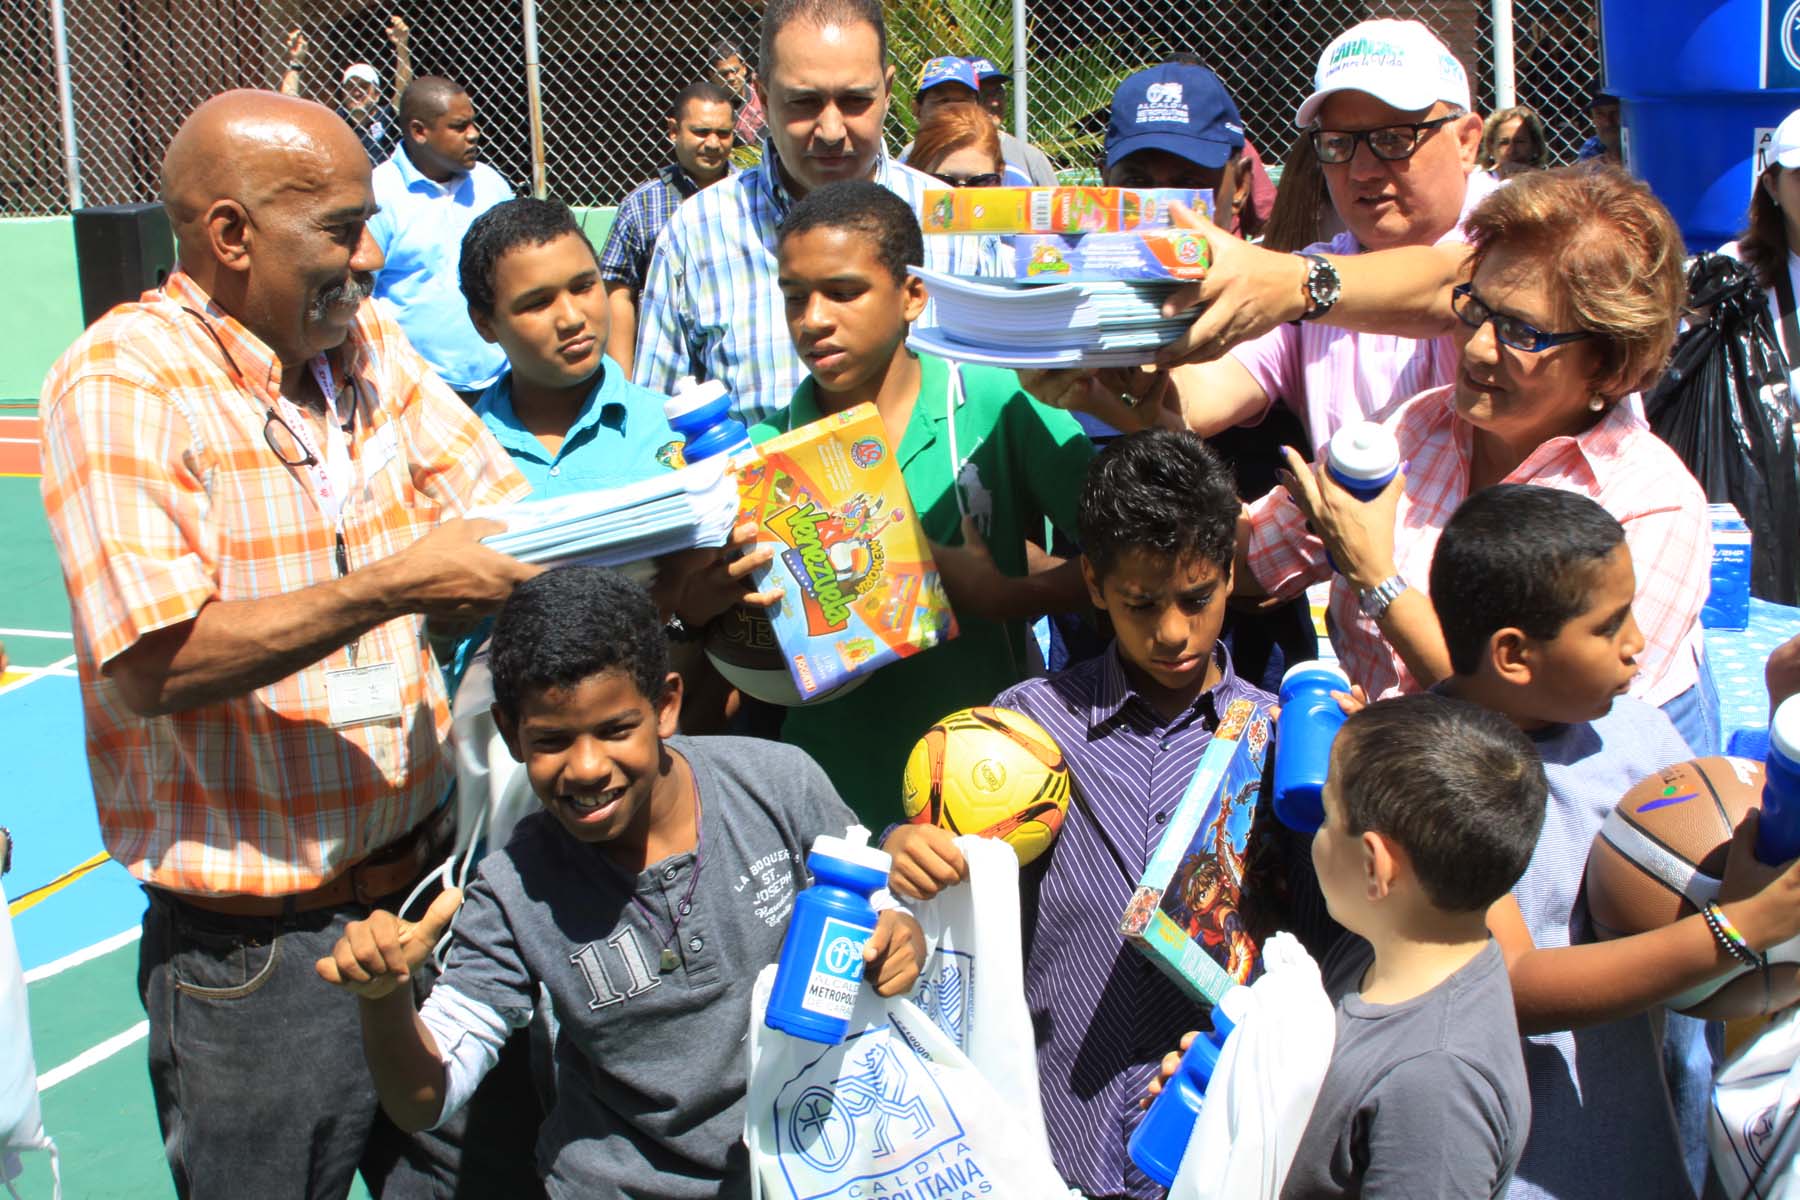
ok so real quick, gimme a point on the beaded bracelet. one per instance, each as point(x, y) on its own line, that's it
point(1727, 935)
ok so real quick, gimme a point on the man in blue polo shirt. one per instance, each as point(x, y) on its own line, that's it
point(430, 192)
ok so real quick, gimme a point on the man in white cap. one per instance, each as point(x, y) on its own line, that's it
point(1390, 116)
point(370, 115)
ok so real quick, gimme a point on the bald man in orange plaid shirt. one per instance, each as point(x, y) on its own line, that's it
point(256, 487)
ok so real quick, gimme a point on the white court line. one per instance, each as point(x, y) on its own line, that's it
point(36, 633)
point(18, 441)
point(89, 954)
point(92, 1056)
point(30, 675)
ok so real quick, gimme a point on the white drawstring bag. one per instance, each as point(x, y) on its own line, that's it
point(493, 793)
point(1266, 1082)
point(928, 1096)
point(1753, 1130)
point(21, 1122)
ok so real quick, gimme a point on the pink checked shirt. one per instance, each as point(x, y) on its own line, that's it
point(1331, 377)
point(1619, 463)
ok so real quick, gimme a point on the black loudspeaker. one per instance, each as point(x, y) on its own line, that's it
point(121, 252)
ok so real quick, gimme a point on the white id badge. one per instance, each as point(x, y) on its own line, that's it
point(358, 695)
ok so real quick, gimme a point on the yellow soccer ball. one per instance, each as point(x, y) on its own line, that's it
point(992, 772)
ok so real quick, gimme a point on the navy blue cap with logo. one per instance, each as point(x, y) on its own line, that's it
point(1178, 108)
point(986, 70)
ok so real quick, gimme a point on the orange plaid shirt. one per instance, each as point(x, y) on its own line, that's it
point(1618, 463)
point(163, 495)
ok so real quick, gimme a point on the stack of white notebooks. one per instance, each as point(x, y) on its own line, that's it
point(614, 527)
point(1111, 324)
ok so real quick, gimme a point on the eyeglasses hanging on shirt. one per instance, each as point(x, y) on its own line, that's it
point(288, 435)
point(363, 693)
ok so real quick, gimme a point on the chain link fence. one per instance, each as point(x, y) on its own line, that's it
point(609, 68)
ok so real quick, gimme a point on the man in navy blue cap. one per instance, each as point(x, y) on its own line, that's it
point(1174, 126)
point(991, 84)
point(951, 80)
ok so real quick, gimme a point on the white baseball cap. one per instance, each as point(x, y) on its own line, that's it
point(362, 71)
point(1784, 148)
point(1400, 63)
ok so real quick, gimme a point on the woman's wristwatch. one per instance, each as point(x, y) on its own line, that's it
point(1322, 287)
point(1374, 601)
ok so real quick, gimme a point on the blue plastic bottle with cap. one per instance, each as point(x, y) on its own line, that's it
point(1309, 720)
point(701, 413)
point(1162, 1136)
point(820, 972)
point(1363, 458)
point(1778, 827)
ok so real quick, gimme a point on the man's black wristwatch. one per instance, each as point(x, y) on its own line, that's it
point(1322, 287)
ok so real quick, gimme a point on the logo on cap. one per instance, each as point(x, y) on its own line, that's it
point(1163, 102)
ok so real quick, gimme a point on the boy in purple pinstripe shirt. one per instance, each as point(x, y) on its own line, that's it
point(1157, 519)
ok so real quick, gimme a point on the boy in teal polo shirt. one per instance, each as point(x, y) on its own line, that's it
point(970, 443)
point(569, 416)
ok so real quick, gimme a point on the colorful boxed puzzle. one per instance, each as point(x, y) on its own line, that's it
point(1728, 604)
point(862, 590)
point(1056, 209)
point(1185, 913)
point(1157, 254)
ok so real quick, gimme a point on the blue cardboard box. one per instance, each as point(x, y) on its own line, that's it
point(1728, 604)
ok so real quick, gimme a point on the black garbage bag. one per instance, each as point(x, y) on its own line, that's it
point(1724, 406)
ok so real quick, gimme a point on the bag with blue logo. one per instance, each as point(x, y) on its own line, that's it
point(21, 1124)
point(932, 1095)
point(1755, 1126)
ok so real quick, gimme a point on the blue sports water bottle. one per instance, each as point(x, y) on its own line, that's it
point(701, 413)
point(1778, 829)
point(1309, 720)
point(1162, 1136)
point(821, 967)
point(1363, 458)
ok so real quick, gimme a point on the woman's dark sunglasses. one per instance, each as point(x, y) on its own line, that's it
point(991, 179)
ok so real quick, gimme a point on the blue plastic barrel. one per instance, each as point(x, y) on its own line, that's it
point(1690, 75)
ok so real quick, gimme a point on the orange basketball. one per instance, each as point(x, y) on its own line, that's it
point(1659, 857)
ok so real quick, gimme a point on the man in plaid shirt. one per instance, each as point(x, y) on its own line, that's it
point(712, 305)
point(700, 130)
point(255, 485)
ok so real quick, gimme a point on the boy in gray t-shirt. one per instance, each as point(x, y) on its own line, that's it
point(1432, 807)
point(645, 900)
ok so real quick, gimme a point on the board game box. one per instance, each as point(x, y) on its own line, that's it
point(1185, 913)
point(1054, 209)
point(1156, 254)
point(861, 588)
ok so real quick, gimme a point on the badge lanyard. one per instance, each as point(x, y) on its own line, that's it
point(332, 471)
point(357, 695)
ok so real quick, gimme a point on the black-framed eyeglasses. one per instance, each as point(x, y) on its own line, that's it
point(287, 444)
point(1473, 311)
point(1390, 143)
point(990, 179)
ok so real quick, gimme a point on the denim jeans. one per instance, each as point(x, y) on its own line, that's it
point(258, 1072)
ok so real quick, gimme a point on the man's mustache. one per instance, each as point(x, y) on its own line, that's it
point(354, 290)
